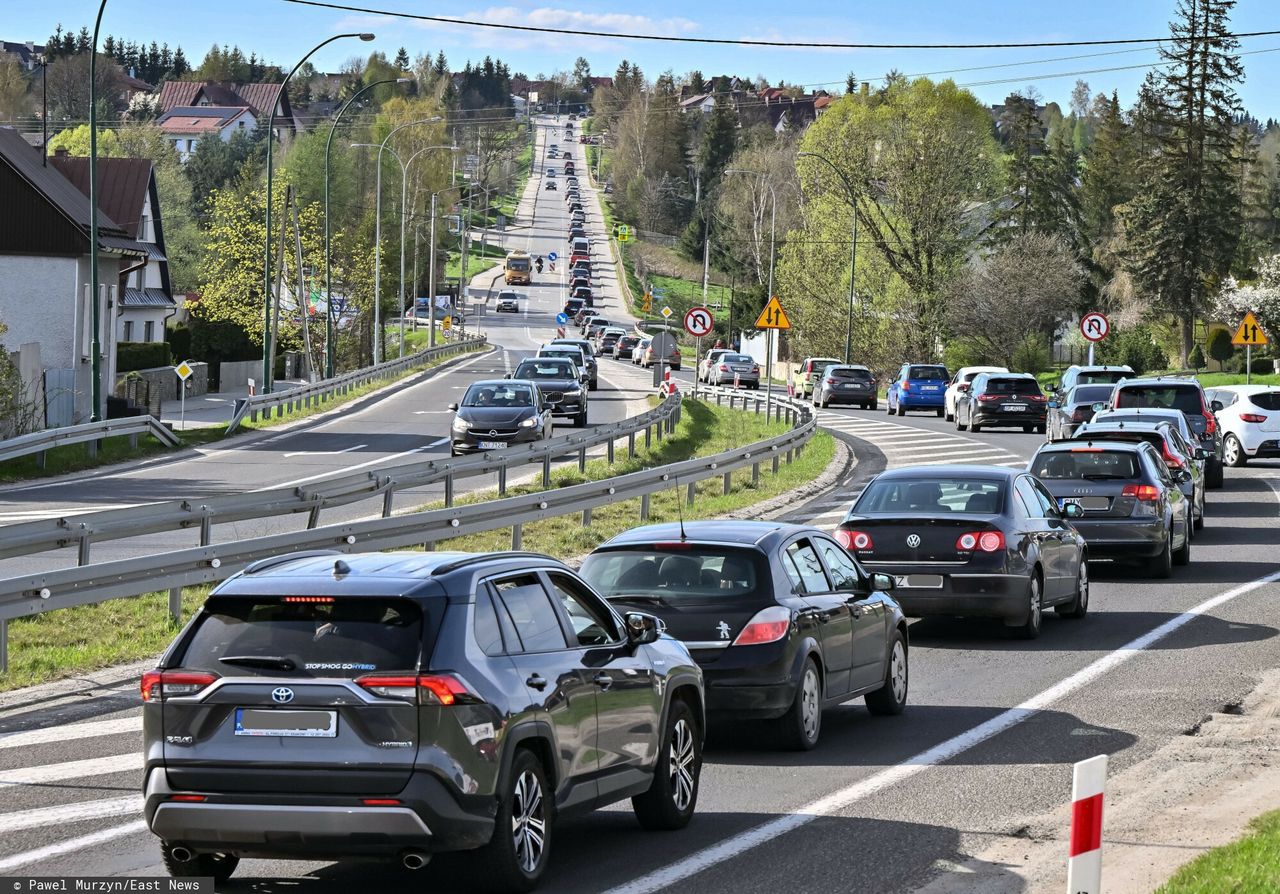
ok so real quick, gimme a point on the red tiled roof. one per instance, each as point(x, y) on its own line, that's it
point(178, 93)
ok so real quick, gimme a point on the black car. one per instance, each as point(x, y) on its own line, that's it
point(580, 319)
point(1184, 460)
point(780, 617)
point(846, 384)
point(560, 383)
point(979, 541)
point(1170, 393)
point(1132, 507)
point(397, 705)
point(572, 306)
point(584, 293)
point(1002, 399)
point(588, 351)
point(625, 346)
point(1075, 408)
point(495, 414)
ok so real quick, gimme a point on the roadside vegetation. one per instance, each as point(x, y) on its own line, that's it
point(1248, 866)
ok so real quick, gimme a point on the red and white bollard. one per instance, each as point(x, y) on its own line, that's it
point(1084, 862)
point(737, 381)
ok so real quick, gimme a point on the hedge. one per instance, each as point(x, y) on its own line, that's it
point(133, 355)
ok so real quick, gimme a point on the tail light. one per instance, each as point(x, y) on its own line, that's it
point(1171, 459)
point(1143, 493)
point(906, 386)
point(982, 541)
point(1210, 424)
point(855, 540)
point(768, 626)
point(987, 397)
point(421, 689)
point(1037, 398)
point(831, 381)
point(755, 369)
point(724, 368)
point(158, 685)
point(1253, 417)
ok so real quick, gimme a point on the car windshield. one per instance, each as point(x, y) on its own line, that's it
point(1012, 386)
point(928, 373)
point(1267, 400)
point(934, 493)
point(1085, 464)
point(1089, 394)
point(679, 573)
point(319, 637)
point(535, 369)
point(498, 395)
point(517, 263)
point(1098, 376)
point(853, 375)
point(1161, 397)
point(573, 355)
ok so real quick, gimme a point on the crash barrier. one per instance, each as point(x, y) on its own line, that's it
point(33, 594)
point(90, 433)
point(305, 396)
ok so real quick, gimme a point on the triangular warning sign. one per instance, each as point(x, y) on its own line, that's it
point(1249, 333)
point(773, 316)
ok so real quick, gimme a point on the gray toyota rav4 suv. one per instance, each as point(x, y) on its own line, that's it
point(395, 705)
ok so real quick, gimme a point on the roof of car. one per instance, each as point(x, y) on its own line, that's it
point(949, 470)
point(848, 366)
point(1089, 444)
point(1157, 380)
point(1104, 426)
point(1008, 375)
point(1124, 367)
point(749, 532)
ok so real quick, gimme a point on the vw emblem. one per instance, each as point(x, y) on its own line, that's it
point(282, 695)
point(913, 540)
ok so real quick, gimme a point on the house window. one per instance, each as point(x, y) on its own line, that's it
point(128, 330)
point(148, 330)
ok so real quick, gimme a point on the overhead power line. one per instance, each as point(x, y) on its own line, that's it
point(746, 42)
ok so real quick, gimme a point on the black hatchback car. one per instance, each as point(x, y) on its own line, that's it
point(1002, 399)
point(494, 414)
point(979, 541)
point(396, 705)
point(780, 617)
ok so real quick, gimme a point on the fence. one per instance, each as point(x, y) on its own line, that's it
point(33, 594)
point(89, 433)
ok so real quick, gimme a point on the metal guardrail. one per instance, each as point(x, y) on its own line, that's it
point(84, 529)
point(90, 433)
point(303, 396)
point(34, 594)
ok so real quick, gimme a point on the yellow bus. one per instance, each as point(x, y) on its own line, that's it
point(518, 268)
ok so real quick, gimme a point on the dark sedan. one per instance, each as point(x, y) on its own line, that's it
point(781, 619)
point(495, 414)
point(625, 346)
point(1076, 408)
point(560, 383)
point(1002, 399)
point(1131, 506)
point(982, 541)
point(845, 384)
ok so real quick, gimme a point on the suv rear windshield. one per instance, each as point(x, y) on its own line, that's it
point(856, 375)
point(928, 373)
point(1088, 464)
point(1161, 397)
point(691, 572)
point(1103, 376)
point(932, 494)
point(270, 636)
point(1012, 386)
point(547, 368)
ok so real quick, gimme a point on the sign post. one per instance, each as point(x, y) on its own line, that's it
point(184, 371)
point(771, 318)
point(662, 345)
point(1249, 334)
point(1094, 326)
point(698, 322)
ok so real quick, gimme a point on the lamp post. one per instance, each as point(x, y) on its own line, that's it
point(95, 346)
point(267, 352)
point(853, 251)
point(328, 286)
point(773, 222)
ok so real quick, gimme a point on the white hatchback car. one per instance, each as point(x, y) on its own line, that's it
point(1250, 421)
point(959, 384)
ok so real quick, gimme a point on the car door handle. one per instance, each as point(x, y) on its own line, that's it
point(603, 680)
point(536, 681)
point(857, 611)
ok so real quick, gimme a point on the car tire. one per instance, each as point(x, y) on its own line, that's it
point(594, 386)
point(888, 406)
point(824, 404)
point(580, 420)
point(1028, 428)
point(1233, 452)
point(940, 412)
point(1078, 607)
point(973, 426)
point(1030, 628)
point(950, 417)
point(959, 424)
point(801, 726)
point(891, 698)
point(1213, 473)
point(1182, 556)
point(1040, 429)
point(1162, 565)
point(218, 866)
point(902, 411)
point(673, 795)
point(513, 860)
point(875, 405)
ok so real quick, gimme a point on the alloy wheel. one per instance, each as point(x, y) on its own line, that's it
point(528, 821)
point(809, 708)
point(898, 672)
point(683, 756)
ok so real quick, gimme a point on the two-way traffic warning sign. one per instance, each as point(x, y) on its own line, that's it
point(773, 316)
point(1250, 333)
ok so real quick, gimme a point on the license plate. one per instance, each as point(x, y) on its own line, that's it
point(854, 385)
point(920, 582)
point(493, 445)
point(1015, 408)
point(929, 388)
point(286, 724)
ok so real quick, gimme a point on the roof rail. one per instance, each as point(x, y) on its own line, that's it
point(484, 557)
point(272, 561)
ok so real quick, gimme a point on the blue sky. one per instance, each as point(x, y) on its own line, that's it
point(281, 32)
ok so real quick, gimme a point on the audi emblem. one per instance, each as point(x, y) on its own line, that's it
point(282, 695)
point(913, 540)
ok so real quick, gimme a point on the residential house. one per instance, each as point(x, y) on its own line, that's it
point(822, 103)
point(186, 125)
point(29, 55)
point(128, 195)
point(45, 299)
point(258, 98)
point(699, 102)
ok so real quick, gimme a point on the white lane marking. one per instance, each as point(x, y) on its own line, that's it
point(325, 452)
point(72, 845)
point(945, 460)
point(94, 766)
point(41, 817)
point(23, 738)
point(430, 412)
point(438, 443)
point(840, 800)
point(372, 462)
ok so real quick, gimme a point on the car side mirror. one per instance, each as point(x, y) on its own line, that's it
point(508, 375)
point(1073, 510)
point(1099, 407)
point(1053, 405)
point(453, 407)
point(1182, 476)
point(643, 628)
point(1202, 454)
point(883, 582)
point(1215, 406)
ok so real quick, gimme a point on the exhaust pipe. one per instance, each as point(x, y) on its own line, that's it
point(182, 854)
point(415, 859)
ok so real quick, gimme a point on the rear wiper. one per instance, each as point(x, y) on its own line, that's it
point(639, 597)
point(268, 661)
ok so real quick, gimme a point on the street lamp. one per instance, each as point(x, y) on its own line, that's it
point(328, 285)
point(95, 346)
point(377, 271)
point(773, 221)
point(267, 353)
point(853, 251)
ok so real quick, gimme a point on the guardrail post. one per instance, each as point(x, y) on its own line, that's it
point(644, 507)
point(546, 470)
point(175, 605)
point(517, 536)
point(719, 399)
point(610, 452)
point(448, 489)
point(728, 481)
point(744, 401)
point(586, 518)
point(788, 457)
point(4, 645)
point(631, 444)
point(206, 526)
point(133, 442)
point(755, 473)
point(40, 458)
point(775, 464)
point(93, 448)
point(648, 436)
point(313, 517)
point(692, 490)
point(502, 481)
point(82, 557)
point(387, 500)
point(582, 459)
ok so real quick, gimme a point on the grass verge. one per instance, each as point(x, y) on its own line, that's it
point(1248, 866)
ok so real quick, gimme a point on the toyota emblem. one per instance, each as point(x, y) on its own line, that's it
point(282, 695)
point(913, 540)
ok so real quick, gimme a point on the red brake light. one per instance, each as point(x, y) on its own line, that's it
point(983, 541)
point(308, 599)
point(768, 626)
point(189, 799)
point(1038, 398)
point(988, 397)
point(724, 367)
point(1210, 424)
point(1144, 493)
point(156, 685)
point(1171, 459)
point(831, 381)
point(1253, 417)
point(423, 689)
point(856, 540)
point(381, 802)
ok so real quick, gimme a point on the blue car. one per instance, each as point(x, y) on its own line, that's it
point(919, 386)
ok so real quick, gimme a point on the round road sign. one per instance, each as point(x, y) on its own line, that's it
point(1094, 326)
point(551, 256)
point(698, 322)
point(562, 318)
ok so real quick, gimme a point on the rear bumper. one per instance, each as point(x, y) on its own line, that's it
point(848, 397)
point(1029, 417)
point(748, 682)
point(1122, 538)
point(922, 401)
point(978, 595)
point(1261, 444)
